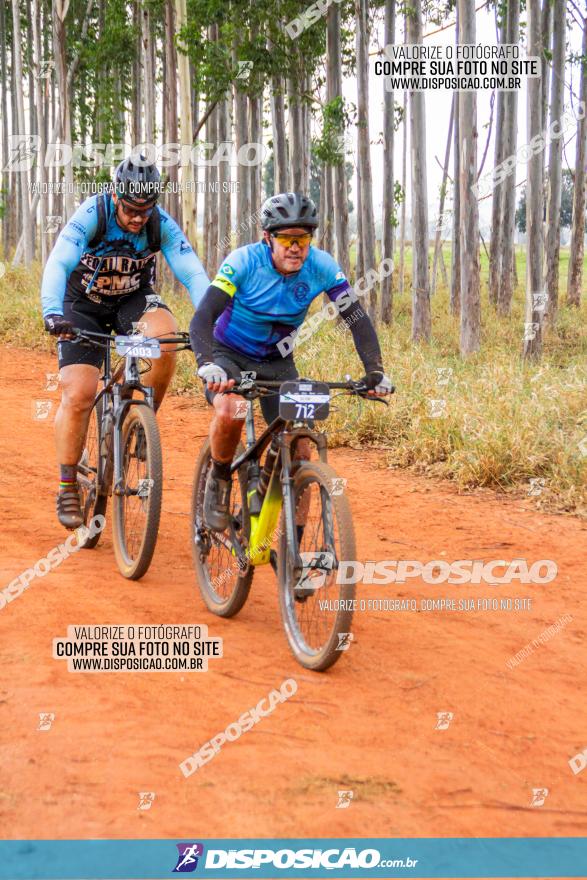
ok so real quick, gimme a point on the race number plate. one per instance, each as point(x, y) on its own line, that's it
point(302, 401)
point(137, 346)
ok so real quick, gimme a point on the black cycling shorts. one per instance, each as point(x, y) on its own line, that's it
point(102, 317)
point(235, 363)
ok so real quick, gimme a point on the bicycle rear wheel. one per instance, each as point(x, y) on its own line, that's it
point(91, 473)
point(222, 581)
point(316, 610)
point(137, 507)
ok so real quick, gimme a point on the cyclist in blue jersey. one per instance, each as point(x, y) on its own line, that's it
point(261, 294)
point(99, 277)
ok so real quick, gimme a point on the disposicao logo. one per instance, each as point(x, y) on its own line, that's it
point(187, 860)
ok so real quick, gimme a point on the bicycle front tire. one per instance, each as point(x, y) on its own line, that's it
point(137, 511)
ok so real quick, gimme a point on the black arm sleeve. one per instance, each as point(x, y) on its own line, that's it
point(364, 336)
point(202, 324)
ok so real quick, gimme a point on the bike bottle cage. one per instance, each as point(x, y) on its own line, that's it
point(153, 225)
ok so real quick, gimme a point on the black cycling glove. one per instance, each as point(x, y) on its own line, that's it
point(57, 325)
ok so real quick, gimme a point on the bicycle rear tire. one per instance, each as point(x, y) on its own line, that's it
point(92, 467)
point(223, 602)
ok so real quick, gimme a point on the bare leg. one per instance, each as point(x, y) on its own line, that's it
point(78, 383)
point(160, 322)
point(225, 429)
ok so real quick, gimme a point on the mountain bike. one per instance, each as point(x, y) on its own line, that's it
point(294, 500)
point(122, 453)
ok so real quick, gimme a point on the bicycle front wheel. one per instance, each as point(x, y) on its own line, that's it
point(316, 609)
point(137, 501)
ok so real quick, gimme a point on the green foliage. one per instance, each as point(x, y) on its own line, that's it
point(566, 202)
point(329, 147)
point(316, 168)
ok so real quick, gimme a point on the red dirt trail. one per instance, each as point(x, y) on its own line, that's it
point(368, 725)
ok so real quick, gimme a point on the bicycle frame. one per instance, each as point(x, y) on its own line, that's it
point(116, 406)
point(279, 490)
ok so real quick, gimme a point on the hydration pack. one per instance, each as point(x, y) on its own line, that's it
point(153, 225)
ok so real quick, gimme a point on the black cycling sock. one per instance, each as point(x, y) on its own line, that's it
point(67, 476)
point(221, 469)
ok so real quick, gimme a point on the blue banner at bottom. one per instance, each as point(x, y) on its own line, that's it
point(282, 857)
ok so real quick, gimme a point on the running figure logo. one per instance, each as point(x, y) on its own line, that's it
point(189, 853)
point(344, 641)
point(146, 799)
point(344, 800)
point(444, 719)
point(46, 719)
point(539, 795)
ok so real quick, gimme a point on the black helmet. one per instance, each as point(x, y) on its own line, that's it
point(138, 182)
point(288, 209)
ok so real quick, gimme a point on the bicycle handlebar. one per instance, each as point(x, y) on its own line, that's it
point(253, 389)
point(93, 337)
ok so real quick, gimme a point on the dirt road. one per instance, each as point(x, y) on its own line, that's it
point(369, 725)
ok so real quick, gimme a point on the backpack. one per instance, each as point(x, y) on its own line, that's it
point(153, 225)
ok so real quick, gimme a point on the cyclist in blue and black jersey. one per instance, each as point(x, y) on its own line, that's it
point(110, 246)
point(261, 294)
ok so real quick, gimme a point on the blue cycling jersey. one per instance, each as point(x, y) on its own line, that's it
point(128, 263)
point(266, 306)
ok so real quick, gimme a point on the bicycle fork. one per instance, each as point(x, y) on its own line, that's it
point(121, 405)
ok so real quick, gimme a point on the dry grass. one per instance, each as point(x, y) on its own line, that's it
point(503, 423)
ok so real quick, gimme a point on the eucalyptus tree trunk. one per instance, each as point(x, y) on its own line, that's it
point(40, 111)
point(30, 67)
point(170, 104)
point(364, 149)
point(98, 121)
point(340, 205)
point(534, 197)
point(223, 244)
point(507, 278)
point(14, 207)
point(421, 320)
point(546, 32)
point(468, 135)
point(495, 244)
point(296, 136)
point(360, 253)
point(307, 134)
point(555, 159)
point(326, 234)
point(279, 138)
point(387, 227)
point(402, 221)
point(23, 177)
point(243, 196)
point(211, 198)
point(60, 9)
point(6, 176)
point(575, 278)
point(148, 74)
point(186, 125)
point(207, 210)
point(438, 235)
point(455, 275)
point(137, 77)
point(255, 137)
